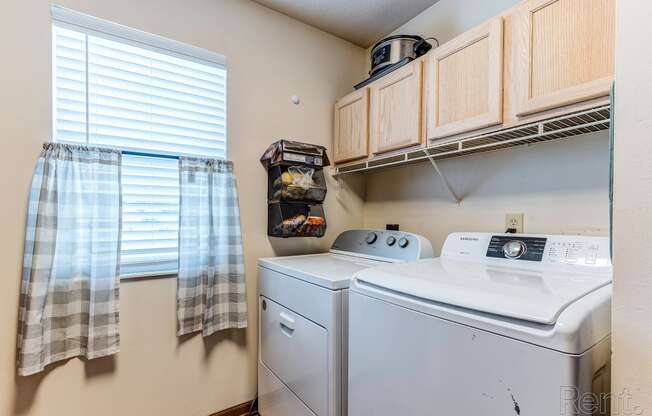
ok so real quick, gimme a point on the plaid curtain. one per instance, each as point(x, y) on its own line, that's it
point(69, 292)
point(211, 284)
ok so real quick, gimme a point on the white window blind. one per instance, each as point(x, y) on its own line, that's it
point(114, 91)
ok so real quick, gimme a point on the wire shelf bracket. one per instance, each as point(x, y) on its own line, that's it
point(455, 195)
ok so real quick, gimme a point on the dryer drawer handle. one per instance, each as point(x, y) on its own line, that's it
point(287, 323)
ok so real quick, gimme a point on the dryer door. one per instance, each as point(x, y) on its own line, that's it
point(295, 350)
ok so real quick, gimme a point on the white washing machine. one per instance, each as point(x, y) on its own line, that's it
point(498, 325)
point(303, 302)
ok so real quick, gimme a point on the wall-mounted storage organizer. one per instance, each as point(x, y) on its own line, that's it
point(296, 189)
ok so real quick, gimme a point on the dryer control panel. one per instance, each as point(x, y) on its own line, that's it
point(384, 244)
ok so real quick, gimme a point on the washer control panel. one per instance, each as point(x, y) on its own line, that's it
point(566, 250)
point(574, 252)
point(394, 245)
point(516, 247)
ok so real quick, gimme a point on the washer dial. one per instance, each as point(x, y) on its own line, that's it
point(514, 249)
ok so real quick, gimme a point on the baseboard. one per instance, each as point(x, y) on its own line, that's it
point(241, 409)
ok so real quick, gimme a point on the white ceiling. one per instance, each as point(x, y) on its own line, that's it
point(359, 21)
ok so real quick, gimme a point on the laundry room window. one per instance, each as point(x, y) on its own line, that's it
point(153, 98)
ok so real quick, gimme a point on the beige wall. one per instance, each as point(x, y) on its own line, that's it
point(561, 187)
point(448, 18)
point(270, 58)
point(632, 301)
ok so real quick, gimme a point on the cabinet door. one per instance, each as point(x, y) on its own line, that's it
point(396, 109)
point(465, 82)
point(351, 138)
point(563, 52)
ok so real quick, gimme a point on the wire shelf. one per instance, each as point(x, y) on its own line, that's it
point(574, 124)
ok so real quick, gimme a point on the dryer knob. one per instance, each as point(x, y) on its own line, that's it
point(371, 238)
point(391, 240)
point(403, 242)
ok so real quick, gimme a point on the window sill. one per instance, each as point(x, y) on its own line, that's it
point(147, 276)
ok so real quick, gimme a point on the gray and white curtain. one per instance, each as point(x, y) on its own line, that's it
point(69, 291)
point(211, 284)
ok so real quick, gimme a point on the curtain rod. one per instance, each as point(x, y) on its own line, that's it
point(145, 154)
point(136, 153)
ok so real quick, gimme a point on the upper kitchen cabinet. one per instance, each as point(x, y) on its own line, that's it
point(396, 115)
point(464, 82)
point(563, 52)
point(351, 135)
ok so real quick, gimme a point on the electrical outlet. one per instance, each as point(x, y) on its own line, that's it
point(514, 221)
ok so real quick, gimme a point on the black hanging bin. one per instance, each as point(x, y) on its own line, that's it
point(296, 183)
point(295, 220)
point(296, 189)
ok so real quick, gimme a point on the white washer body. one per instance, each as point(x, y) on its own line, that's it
point(303, 325)
point(476, 333)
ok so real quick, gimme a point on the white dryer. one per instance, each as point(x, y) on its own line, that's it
point(303, 302)
point(498, 325)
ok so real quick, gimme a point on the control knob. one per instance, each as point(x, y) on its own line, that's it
point(371, 238)
point(403, 242)
point(391, 240)
point(514, 249)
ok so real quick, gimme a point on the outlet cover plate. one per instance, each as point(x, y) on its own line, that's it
point(514, 221)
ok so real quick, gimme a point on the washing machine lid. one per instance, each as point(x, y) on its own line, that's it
point(329, 270)
point(533, 294)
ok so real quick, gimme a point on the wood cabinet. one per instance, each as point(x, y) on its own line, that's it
point(396, 109)
point(465, 82)
point(563, 52)
point(540, 59)
point(351, 138)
